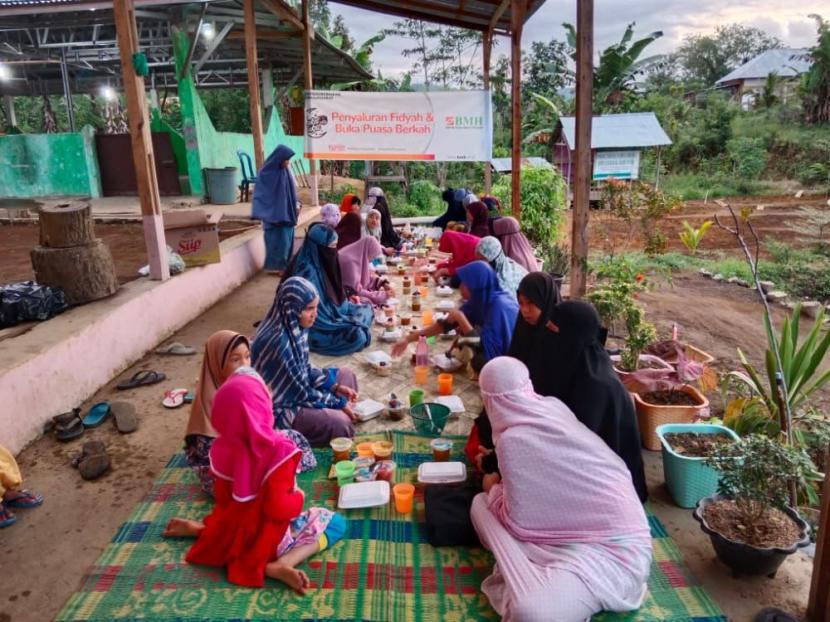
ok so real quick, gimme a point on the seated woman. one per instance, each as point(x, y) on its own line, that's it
point(462, 247)
point(342, 326)
point(507, 231)
point(257, 527)
point(358, 277)
point(389, 238)
point(478, 218)
point(12, 494)
point(455, 209)
point(330, 214)
point(509, 273)
point(562, 519)
point(314, 402)
point(350, 203)
point(487, 309)
point(225, 352)
point(561, 346)
point(372, 228)
point(349, 230)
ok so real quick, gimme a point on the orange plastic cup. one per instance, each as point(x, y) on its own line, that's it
point(421, 377)
point(364, 450)
point(404, 497)
point(444, 384)
point(424, 291)
point(426, 318)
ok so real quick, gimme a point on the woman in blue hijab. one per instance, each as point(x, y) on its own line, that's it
point(275, 204)
point(342, 327)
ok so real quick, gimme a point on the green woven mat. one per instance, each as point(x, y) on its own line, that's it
point(382, 571)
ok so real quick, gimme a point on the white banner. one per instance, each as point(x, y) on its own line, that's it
point(617, 164)
point(435, 126)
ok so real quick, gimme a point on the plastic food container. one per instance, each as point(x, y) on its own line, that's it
point(342, 448)
point(345, 472)
point(363, 495)
point(385, 471)
point(382, 450)
point(367, 409)
point(442, 472)
point(441, 449)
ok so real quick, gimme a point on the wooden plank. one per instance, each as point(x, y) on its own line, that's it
point(253, 83)
point(487, 50)
point(284, 12)
point(517, 12)
point(309, 85)
point(267, 34)
point(142, 144)
point(818, 607)
point(582, 178)
point(430, 14)
point(497, 14)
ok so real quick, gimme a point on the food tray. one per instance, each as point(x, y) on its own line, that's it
point(442, 472)
point(363, 495)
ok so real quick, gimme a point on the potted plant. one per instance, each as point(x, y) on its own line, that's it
point(640, 334)
point(685, 448)
point(751, 526)
point(296, 111)
point(557, 261)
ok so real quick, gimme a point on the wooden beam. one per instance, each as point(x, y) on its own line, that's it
point(267, 35)
point(494, 20)
point(213, 45)
point(487, 50)
point(818, 607)
point(142, 144)
point(284, 12)
point(253, 83)
point(517, 11)
point(309, 84)
point(583, 172)
point(448, 17)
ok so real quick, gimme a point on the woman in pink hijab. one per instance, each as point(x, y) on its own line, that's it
point(356, 271)
point(562, 519)
point(514, 243)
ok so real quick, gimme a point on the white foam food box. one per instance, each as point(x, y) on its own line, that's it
point(368, 409)
point(442, 472)
point(363, 495)
point(453, 402)
point(377, 357)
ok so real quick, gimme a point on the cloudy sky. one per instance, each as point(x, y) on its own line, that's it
point(786, 19)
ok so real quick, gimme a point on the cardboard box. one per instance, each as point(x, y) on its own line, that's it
point(193, 234)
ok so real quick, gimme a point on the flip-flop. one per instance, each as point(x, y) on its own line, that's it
point(188, 399)
point(93, 467)
point(123, 416)
point(142, 378)
point(6, 517)
point(176, 349)
point(96, 415)
point(64, 419)
point(90, 448)
point(68, 426)
point(27, 499)
point(174, 398)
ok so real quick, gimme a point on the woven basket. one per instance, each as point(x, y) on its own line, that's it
point(649, 416)
point(687, 478)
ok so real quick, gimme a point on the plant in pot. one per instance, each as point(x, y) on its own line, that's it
point(640, 335)
point(751, 527)
point(557, 260)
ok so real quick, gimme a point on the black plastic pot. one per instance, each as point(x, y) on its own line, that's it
point(745, 559)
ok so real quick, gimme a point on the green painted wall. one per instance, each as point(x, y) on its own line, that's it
point(43, 165)
point(157, 124)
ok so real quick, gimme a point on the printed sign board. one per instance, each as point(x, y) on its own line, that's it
point(617, 164)
point(429, 126)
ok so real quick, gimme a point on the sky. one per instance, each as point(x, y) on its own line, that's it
point(786, 19)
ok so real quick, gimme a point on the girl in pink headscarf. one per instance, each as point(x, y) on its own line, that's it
point(357, 275)
point(257, 528)
point(514, 243)
point(562, 519)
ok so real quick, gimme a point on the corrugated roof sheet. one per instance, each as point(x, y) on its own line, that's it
point(786, 62)
point(619, 131)
point(505, 165)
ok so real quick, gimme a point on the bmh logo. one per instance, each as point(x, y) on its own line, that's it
point(460, 122)
point(315, 125)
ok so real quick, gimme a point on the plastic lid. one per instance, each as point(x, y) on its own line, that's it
point(442, 472)
point(341, 443)
point(364, 495)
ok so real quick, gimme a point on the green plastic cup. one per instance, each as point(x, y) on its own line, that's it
point(416, 396)
point(345, 472)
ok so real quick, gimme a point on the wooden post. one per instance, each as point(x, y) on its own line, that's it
point(518, 9)
point(253, 83)
point(584, 116)
point(308, 33)
point(142, 145)
point(818, 607)
point(488, 49)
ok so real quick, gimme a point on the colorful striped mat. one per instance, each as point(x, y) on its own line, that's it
point(383, 570)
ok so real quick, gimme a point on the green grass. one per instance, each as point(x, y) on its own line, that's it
point(692, 186)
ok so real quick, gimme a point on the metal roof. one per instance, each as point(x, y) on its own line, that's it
point(33, 41)
point(505, 165)
point(785, 62)
point(619, 131)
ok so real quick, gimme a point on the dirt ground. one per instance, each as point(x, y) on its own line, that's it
point(79, 518)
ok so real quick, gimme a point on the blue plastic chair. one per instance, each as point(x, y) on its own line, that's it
point(248, 176)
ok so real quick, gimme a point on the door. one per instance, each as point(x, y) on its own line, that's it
point(115, 162)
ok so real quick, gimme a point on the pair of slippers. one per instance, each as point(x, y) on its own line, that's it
point(174, 398)
point(71, 425)
point(142, 378)
point(25, 499)
point(175, 349)
point(93, 461)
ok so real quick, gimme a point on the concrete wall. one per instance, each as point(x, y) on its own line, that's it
point(62, 362)
point(43, 165)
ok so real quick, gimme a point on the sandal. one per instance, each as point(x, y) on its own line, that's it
point(93, 460)
point(174, 398)
point(96, 415)
point(142, 378)
point(68, 426)
point(123, 416)
point(6, 517)
point(176, 349)
point(25, 499)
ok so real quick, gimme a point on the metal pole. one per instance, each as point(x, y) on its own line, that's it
point(66, 94)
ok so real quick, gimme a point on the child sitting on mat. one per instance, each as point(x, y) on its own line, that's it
point(257, 528)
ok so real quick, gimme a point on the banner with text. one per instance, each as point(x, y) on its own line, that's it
point(437, 126)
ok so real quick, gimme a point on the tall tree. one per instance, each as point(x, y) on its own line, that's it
point(339, 29)
point(704, 59)
point(423, 50)
point(815, 86)
point(545, 70)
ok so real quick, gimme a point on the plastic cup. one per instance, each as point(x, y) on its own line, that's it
point(441, 449)
point(342, 448)
point(345, 472)
point(386, 471)
point(405, 319)
point(426, 318)
point(424, 289)
point(421, 375)
point(364, 450)
point(382, 450)
point(416, 396)
point(404, 497)
point(444, 384)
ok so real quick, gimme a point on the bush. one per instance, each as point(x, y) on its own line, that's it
point(748, 156)
point(543, 197)
point(814, 174)
point(327, 196)
point(406, 210)
point(426, 196)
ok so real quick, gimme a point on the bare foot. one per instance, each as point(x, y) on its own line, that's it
point(182, 528)
point(297, 580)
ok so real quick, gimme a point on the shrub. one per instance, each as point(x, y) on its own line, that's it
point(748, 156)
point(814, 174)
point(543, 201)
point(426, 196)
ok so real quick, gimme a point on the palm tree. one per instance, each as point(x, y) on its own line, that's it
point(815, 85)
point(618, 66)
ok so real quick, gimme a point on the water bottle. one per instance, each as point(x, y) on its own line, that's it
point(422, 353)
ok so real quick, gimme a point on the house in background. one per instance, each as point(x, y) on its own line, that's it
point(747, 82)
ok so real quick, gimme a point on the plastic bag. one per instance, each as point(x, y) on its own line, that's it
point(29, 301)
point(174, 260)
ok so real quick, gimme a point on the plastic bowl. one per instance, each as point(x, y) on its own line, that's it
point(432, 424)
